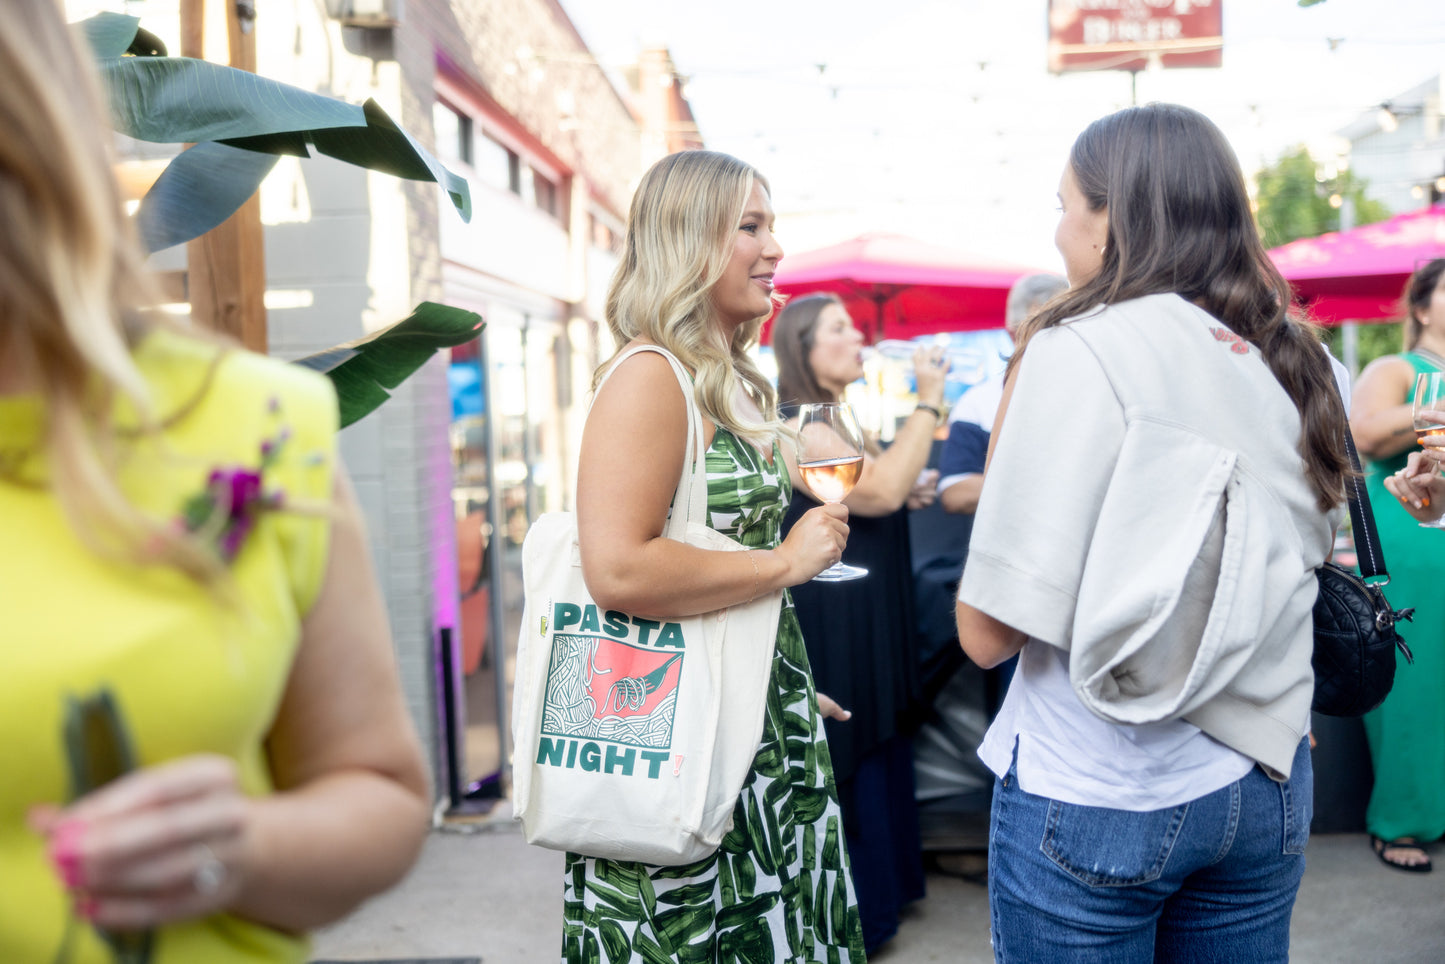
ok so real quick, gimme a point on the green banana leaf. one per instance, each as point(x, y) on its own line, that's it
point(365, 369)
point(97, 745)
point(172, 100)
point(114, 35)
point(240, 123)
point(198, 191)
point(98, 749)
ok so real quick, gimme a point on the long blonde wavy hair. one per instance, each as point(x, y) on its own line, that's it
point(73, 287)
point(680, 234)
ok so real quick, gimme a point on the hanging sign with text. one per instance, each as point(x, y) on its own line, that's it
point(1132, 34)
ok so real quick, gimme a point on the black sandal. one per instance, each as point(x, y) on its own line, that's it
point(1400, 843)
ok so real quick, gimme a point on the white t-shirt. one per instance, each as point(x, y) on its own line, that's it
point(1067, 753)
point(978, 406)
point(980, 403)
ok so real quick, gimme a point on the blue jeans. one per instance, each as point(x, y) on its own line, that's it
point(1212, 880)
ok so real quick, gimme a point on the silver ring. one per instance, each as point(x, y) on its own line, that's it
point(210, 872)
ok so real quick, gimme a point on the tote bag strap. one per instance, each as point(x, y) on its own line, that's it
point(691, 493)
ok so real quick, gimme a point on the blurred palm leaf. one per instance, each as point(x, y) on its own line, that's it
point(96, 743)
point(98, 750)
point(172, 100)
point(364, 370)
point(198, 191)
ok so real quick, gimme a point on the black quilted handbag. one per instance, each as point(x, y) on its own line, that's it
point(1355, 635)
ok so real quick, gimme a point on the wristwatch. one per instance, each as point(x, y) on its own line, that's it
point(933, 409)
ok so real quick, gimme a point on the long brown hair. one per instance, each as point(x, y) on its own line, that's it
point(1419, 289)
point(1179, 221)
point(792, 341)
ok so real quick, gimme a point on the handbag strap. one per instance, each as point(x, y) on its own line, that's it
point(691, 491)
point(1370, 555)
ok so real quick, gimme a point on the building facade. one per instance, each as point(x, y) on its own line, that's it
point(452, 469)
point(1398, 148)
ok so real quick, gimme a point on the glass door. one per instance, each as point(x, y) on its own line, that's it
point(509, 459)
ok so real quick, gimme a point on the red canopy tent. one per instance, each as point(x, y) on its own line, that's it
point(898, 287)
point(1358, 275)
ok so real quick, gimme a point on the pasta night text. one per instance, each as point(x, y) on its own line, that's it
point(569, 617)
point(590, 757)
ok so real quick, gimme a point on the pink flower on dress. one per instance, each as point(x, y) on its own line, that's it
point(227, 508)
point(237, 493)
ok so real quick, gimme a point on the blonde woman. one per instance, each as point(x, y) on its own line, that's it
point(696, 279)
point(206, 748)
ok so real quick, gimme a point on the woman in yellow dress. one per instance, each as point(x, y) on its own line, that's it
point(206, 751)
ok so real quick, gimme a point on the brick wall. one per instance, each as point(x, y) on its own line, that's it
point(482, 40)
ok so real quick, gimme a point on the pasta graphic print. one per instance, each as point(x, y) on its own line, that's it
point(600, 688)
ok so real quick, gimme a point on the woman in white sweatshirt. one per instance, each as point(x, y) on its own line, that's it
point(1183, 443)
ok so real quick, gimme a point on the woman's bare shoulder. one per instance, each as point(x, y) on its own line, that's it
point(643, 378)
point(1387, 366)
point(1389, 372)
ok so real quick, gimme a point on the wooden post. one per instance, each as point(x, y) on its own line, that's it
point(226, 277)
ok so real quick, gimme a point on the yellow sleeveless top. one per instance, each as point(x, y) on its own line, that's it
point(187, 672)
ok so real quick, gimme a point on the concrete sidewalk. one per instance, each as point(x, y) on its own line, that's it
point(479, 892)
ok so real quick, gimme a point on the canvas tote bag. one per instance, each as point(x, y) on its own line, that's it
point(632, 736)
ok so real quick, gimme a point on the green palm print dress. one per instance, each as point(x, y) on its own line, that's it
point(778, 889)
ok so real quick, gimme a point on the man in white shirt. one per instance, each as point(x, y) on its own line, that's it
point(960, 463)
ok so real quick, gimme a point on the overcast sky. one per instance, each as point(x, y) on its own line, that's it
point(939, 119)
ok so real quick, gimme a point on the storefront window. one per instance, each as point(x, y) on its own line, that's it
point(508, 457)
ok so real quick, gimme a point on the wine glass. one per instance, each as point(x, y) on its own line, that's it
point(830, 459)
point(1428, 413)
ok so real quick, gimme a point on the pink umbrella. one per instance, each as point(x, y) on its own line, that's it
point(1358, 275)
point(898, 287)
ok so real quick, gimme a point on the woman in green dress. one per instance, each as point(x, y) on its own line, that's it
point(696, 279)
point(1407, 733)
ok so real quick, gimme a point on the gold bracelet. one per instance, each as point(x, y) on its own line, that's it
point(757, 577)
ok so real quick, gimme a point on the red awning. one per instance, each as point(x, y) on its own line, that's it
point(1358, 275)
point(899, 287)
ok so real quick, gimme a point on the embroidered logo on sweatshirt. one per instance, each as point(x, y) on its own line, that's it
point(1236, 344)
